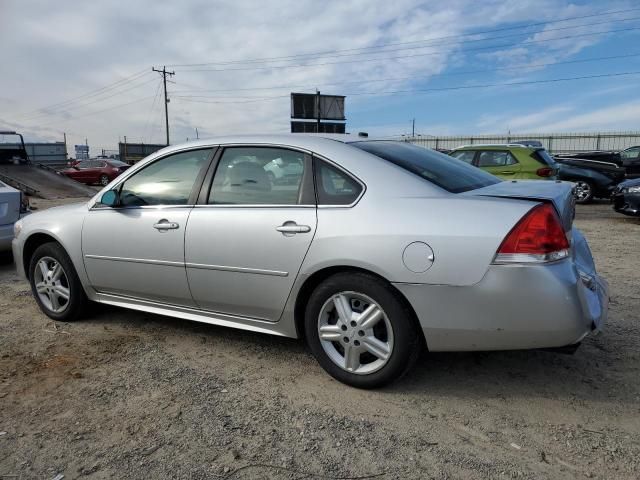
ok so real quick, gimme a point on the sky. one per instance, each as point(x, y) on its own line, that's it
point(456, 67)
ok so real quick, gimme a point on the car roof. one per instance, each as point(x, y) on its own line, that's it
point(304, 141)
point(489, 146)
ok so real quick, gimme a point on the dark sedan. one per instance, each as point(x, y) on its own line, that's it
point(95, 171)
point(626, 197)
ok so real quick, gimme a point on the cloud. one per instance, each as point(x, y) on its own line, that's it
point(71, 48)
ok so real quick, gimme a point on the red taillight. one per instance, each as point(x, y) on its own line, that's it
point(544, 172)
point(537, 237)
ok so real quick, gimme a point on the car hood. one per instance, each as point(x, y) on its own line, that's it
point(557, 192)
point(629, 183)
point(61, 212)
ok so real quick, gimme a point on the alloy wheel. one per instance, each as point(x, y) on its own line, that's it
point(355, 333)
point(104, 180)
point(52, 284)
point(583, 191)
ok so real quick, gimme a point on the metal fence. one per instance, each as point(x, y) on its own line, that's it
point(554, 142)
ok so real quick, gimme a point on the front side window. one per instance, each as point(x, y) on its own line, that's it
point(168, 181)
point(335, 187)
point(259, 176)
point(630, 153)
point(465, 155)
point(495, 159)
point(442, 170)
point(83, 165)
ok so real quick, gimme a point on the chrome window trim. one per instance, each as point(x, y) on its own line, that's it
point(258, 205)
point(128, 173)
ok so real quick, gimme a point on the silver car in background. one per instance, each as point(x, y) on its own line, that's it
point(369, 250)
point(13, 205)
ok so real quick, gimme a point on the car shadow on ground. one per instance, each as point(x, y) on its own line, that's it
point(470, 375)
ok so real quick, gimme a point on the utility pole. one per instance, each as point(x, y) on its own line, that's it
point(319, 113)
point(413, 128)
point(164, 73)
point(197, 136)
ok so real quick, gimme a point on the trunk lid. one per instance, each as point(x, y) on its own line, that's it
point(557, 192)
point(9, 204)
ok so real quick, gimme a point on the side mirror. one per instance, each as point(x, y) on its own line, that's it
point(110, 198)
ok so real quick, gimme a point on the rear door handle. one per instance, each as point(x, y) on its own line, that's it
point(293, 227)
point(165, 224)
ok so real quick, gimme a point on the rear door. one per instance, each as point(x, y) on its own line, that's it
point(250, 232)
point(500, 163)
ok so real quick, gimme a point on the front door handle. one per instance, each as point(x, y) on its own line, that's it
point(293, 227)
point(165, 224)
point(507, 172)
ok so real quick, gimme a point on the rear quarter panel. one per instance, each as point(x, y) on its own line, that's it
point(463, 232)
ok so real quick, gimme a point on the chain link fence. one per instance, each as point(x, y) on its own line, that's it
point(553, 142)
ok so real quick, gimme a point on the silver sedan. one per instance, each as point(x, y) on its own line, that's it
point(369, 250)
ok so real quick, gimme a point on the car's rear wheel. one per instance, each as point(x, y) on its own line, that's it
point(360, 332)
point(584, 191)
point(104, 180)
point(55, 283)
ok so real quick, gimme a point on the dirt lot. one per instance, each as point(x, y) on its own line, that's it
point(133, 395)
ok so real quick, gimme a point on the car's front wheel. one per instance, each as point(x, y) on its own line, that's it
point(584, 192)
point(55, 283)
point(360, 332)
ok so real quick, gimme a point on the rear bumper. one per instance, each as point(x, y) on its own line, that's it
point(514, 307)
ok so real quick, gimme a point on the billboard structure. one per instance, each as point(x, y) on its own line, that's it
point(308, 110)
point(134, 152)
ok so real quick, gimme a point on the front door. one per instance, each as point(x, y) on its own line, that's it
point(136, 249)
point(245, 246)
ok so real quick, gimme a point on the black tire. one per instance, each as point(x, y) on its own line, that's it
point(77, 301)
point(407, 339)
point(104, 180)
point(584, 192)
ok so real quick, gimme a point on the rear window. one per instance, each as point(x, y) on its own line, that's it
point(118, 163)
point(442, 170)
point(543, 157)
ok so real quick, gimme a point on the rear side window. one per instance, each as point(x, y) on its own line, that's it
point(333, 186)
point(465, 155)
point(442, 170)
point(496, 159)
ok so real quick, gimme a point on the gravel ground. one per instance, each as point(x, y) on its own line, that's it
point(132, 395)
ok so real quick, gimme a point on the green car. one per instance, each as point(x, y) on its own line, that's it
point(509, 161)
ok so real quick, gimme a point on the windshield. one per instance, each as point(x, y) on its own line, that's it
point(446, 172)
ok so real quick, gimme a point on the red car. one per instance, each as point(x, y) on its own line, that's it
point(95, 171)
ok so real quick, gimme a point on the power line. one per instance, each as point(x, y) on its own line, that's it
point(84, 104)
point(491, 47)
point(413, 77)
point(92, 93)
point(153, 105)
point(264, 59)
point(442, 89)
point(509, 84)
